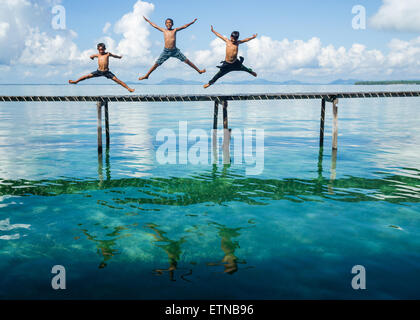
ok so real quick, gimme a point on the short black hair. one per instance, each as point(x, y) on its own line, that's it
point(235, 35)
point(170, 20)
point(101, 45)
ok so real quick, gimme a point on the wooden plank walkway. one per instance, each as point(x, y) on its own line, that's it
point(328, 96)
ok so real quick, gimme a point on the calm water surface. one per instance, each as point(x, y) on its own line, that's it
point(130, 227)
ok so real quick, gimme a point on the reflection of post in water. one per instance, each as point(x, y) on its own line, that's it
point(320, 158)
point(172, 249)
point(100, 169)
point(229, 261)
point(105, 248)
point(107, 166)
point(225, 146)
point(333, 170)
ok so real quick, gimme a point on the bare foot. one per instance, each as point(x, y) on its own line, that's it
point(206, 85)
point(143, 78)
point(202, 71)
point(253, 73)
point(72, 82)
point(131, 90)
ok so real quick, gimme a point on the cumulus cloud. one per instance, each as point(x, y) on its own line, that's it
point(311, 58)
point(42, 49)
point(356, 60)
point(4, 28)
point(106, 27)
point(212, 56)
point(405, 55)
point(283, 55)
point(13, 28)
point(22, 32)
point(135, 44)
point(399, 15)
point(25, 30)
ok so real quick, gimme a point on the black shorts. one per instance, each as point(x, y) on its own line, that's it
point(235, 66)
point(98, 73)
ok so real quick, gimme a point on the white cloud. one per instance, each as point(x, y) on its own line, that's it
point(399, 15)
point(4, 28)
point(13, 28)
point(106, 27)
point(23, 26)
point(42, 49)
point(356, 60)
point(27, 35)
point(30, 41)
point(405, 55)
point(135, 44)
point(212, 56)
point(282, 55)
point(310, 58)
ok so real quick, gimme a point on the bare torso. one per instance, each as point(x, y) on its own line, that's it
point(231, 51)
point(170, 38)
point(103, 62)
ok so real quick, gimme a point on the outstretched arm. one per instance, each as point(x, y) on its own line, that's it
point(186, 26)
point(114, 56)
point(248, 39)
point(93, 56)
point(153, 24)
point(219, 35)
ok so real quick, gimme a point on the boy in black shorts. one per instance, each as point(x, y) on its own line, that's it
point(231, 62)
point(103, 70)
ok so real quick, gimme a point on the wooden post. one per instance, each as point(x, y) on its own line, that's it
point(225, 115)
point(216, 112)
point(99, 109)
point(321, 131)
point(106, 123)
point(335, 124)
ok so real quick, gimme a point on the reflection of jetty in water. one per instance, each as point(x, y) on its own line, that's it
point(225, 186)
point(221, 187)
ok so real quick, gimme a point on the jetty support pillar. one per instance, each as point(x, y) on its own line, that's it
point(99, 112)
point(335, 124)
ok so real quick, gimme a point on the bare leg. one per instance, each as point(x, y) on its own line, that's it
point(153, 68)
point(123, 84)
point(81, 79)
point(192, 65)
point(243, 68)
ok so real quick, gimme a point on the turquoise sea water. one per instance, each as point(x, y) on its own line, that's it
point(130, 227)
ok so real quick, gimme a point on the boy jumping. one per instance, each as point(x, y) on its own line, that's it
point(231, 62)
point(103, 70)
point(170, 49)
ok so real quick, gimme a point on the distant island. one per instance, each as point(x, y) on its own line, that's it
point(259, 81)
point(367, 83)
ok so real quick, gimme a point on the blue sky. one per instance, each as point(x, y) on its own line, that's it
point(301, 39)
point(299, 19)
